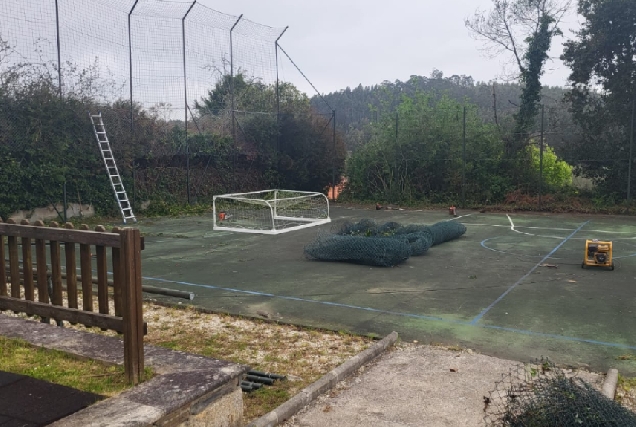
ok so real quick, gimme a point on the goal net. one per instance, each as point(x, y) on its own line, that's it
point(270, 211)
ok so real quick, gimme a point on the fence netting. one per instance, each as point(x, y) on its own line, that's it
point(190, 96)
point(383, 245)
point(543, 395)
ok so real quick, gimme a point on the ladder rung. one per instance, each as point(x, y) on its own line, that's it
point(111, 167)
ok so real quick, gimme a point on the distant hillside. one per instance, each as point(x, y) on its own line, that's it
point(356, 108)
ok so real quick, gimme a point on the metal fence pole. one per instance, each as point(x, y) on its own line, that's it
point(232, 100)
point(631, 151)
point(541, 156)
point(278, 104)
point(185, 99)
point(59, 77)
point(131, 64)
point(59, 55)
point(64, 201)
point(333, 158)
point(132, 109)
point(464, 160)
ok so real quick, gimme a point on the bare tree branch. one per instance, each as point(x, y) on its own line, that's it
point(510, 22)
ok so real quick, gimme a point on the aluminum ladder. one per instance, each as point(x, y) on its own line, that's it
point(111, 168)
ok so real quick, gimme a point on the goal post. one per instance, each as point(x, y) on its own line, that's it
point(270, 211)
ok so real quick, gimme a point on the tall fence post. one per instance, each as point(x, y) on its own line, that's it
point(541, 156)
point(185, 97)
point(464, 160)
point(631, 159)
point(132, 109)
point(333, 158)
point(130, 66)
point(59, 55)
point(278, 105)
point(130, 239)
point(233, 118)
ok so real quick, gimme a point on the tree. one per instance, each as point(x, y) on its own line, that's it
point(556, 173)
point(218, 98)
point(294, 150)
point(524, 29)
point(417, 155)
point(603, 63)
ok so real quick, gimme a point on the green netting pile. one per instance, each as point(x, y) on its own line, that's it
point(542, 395)
point(384, 245)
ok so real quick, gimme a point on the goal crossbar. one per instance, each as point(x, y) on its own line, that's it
point(270, 211)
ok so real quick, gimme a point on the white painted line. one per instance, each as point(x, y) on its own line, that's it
point(512, 227)
point(461, 216)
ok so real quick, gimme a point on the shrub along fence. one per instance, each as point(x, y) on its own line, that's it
point(27, 281)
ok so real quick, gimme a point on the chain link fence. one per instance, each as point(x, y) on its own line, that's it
point(191, 100)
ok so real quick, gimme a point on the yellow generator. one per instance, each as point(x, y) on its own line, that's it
point(598, 254)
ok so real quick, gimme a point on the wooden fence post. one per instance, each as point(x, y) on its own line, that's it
point(102, 275)
point(86, 269)
point(132, 304)
point(42, 276)
point(3, 270)
point(14, 264)
point(117, 273)
point(27, 266)
point(71, 270)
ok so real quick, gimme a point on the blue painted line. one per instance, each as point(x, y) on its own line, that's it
point(483, 245)
point(558, 337)
point(502, 296)
point(290, 298)
point(402, 314)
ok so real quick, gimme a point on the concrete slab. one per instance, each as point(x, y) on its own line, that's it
point(413, 386)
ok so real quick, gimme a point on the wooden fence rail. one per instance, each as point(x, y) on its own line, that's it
point(24, 279)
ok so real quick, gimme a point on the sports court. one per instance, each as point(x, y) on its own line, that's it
point(512, 286)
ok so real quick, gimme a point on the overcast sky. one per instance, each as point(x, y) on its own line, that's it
point(340, 43)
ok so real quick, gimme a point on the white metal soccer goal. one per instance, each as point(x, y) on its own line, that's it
point(270, 211)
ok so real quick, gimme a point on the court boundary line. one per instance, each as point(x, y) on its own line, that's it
point(400, 314)
point(525, 276)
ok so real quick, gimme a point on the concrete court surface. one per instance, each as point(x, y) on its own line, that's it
point(511, 287)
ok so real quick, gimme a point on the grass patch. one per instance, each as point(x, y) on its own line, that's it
point(265, 399)
point(19, 357)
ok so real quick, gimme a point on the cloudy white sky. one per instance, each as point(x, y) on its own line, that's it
point(340, 43)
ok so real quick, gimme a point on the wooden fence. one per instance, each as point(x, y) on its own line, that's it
point(25, 279)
